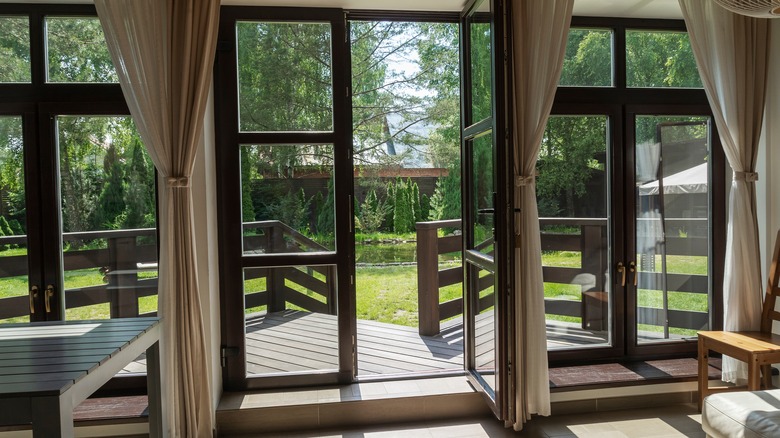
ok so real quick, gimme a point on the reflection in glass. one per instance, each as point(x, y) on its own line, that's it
point(588, 59)
point(287, 198)
point(571, 193)
point(13, 239)
point(485, 325)
point(284, 76)
point(660, 59)
point(483, 188)
point(673, 228)
point(77, 51)
point(291, 319)
point(15, 49)
point(108, 208)
point(481, 71)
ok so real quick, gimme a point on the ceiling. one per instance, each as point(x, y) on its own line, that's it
point(602, 8)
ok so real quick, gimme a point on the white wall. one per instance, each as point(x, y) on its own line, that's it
point(204, 194)
point(768, 167)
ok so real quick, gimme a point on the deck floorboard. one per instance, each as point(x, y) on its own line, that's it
point(293, 341)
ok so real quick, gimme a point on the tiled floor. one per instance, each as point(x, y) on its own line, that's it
point(670, 421)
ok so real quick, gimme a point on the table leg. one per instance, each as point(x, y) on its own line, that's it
point(52, 416)
point(153, 390)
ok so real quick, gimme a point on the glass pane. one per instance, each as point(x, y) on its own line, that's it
point(14, 49)
point(107, 190)
point(14, 304)
point(572, 195)
point(77, 51)
point(482, 187)
point(485, 325)
point(291, 319)
point(481, 66)
point(288, 200)
point(588, 60)
point(660, 59)
point(290, 90)
point(672, 228)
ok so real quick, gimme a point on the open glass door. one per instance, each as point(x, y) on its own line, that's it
point(486, 211)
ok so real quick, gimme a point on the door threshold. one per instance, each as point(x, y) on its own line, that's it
point(356, 404)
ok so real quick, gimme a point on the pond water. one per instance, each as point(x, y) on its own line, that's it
point(378, 253)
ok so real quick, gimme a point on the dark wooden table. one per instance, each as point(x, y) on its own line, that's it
point(48, 368)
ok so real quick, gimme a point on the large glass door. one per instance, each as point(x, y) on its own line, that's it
point(285, 204)
point(631, 196)
point(486, 207)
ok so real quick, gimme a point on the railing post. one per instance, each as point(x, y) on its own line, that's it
point(330, 281)
point(428, 278)
point(123, 277)
point(275, 279)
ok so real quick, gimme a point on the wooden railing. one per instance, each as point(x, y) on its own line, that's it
point(284, 285)
point(430, 279)
point(590, 241)
point(120, 262)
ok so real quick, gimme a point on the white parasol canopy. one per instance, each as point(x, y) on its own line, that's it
point(692, 180)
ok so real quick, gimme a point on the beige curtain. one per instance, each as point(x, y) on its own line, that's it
point(539, 31)
point(731, 52)
point(164, 55)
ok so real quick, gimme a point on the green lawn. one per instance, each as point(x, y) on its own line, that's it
point(389, 293)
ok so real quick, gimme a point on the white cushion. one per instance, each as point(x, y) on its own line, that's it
point(742, 414)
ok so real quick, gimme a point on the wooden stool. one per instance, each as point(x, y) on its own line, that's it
point(758, 349)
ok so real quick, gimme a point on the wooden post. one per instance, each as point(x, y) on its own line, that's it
point(330, 281)
point(123, 277)
point(428, 278)
point(275, 279)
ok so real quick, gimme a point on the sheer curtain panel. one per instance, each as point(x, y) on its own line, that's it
point(164, 55)
point(539, 29)
point(731, 53)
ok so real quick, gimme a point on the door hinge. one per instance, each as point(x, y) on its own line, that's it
point(226, 352)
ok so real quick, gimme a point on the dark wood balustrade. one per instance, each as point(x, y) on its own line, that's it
point(591, 242)
point(124, 256)
point(282, 283)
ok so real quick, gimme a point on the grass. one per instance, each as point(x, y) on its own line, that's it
point(389, 293)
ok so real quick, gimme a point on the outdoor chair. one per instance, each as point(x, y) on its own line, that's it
point(758, 349)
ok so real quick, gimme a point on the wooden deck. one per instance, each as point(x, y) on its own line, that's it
point(294, 341)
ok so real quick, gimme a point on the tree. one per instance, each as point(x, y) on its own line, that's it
point(573, 149)
point(247, 204)
point(372, 213)
point(111, 203)
point(326, 219)
point(78, 51)
point(567, 161)
point(15, 49)
point(139, 194)
point(445, 202)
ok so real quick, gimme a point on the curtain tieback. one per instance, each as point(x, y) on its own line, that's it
point(176, 182)
point(522, 181)
point(746, 176)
